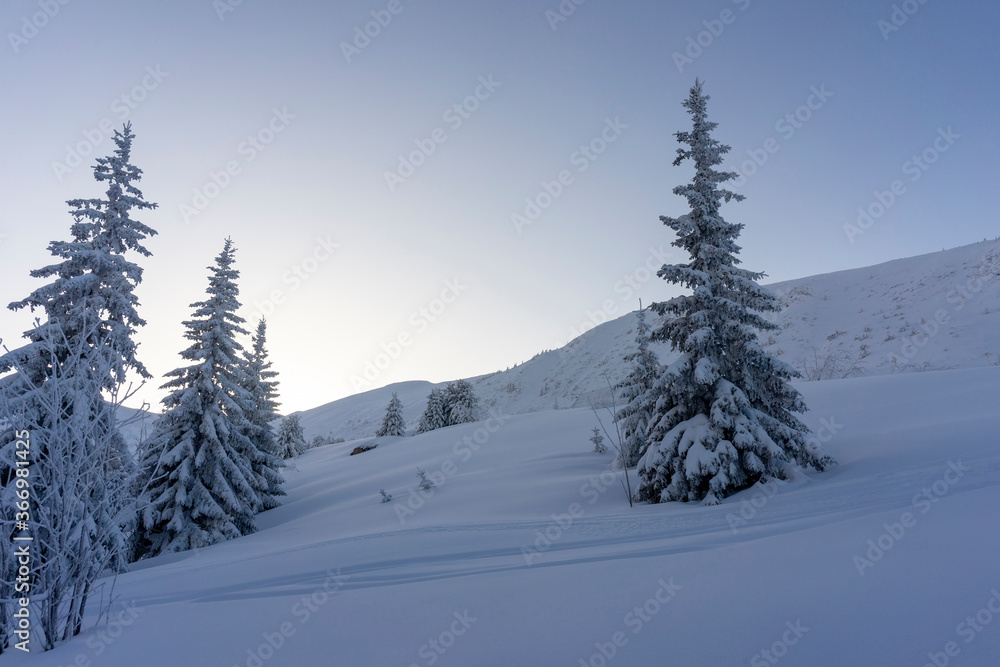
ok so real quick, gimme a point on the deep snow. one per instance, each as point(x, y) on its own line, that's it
point(467, 580)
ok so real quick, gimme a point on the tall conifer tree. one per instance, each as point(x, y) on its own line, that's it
point(201, 488)
point(725, 413)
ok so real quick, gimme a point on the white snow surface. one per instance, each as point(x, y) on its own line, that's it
point(772, 568)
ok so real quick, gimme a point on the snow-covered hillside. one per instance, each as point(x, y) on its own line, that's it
point(931, 312)
point(526, 553)
point(935, 311)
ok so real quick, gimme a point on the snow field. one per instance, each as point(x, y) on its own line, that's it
point(335, 577)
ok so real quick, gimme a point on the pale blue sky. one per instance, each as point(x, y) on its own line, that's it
point(278, 71)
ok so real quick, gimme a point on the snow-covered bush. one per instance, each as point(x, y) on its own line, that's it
point(425, 484)
point(597, 438)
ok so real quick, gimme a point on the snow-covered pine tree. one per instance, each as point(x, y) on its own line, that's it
point(94, 282)
point(65, 387)
point(725, 417)
point(201, 485)
point(434, 415)
point(260, 410)
point(393, 423)
point(638, 395)
point(461, 403)
point(597, 438)
point(291, 441)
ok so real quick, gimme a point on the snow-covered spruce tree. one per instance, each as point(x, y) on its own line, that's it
point(638, 394)
point(260, 409)
point(291, 441)
point(94, 283)
point(597, 438)
point(724, 415)
point(434, 415)
point(393, 423)
point(65, 386)
point(201, 488)
point(461, 403)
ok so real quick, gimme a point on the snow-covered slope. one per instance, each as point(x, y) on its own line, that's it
point(526, 553)
point(931, 312)
point(935, 311)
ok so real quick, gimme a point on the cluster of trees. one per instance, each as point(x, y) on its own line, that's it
point(723, 415)
point(70, 488)
point(455, 403)
point(213, 460)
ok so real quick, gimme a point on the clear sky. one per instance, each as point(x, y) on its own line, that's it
point(373, 216)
